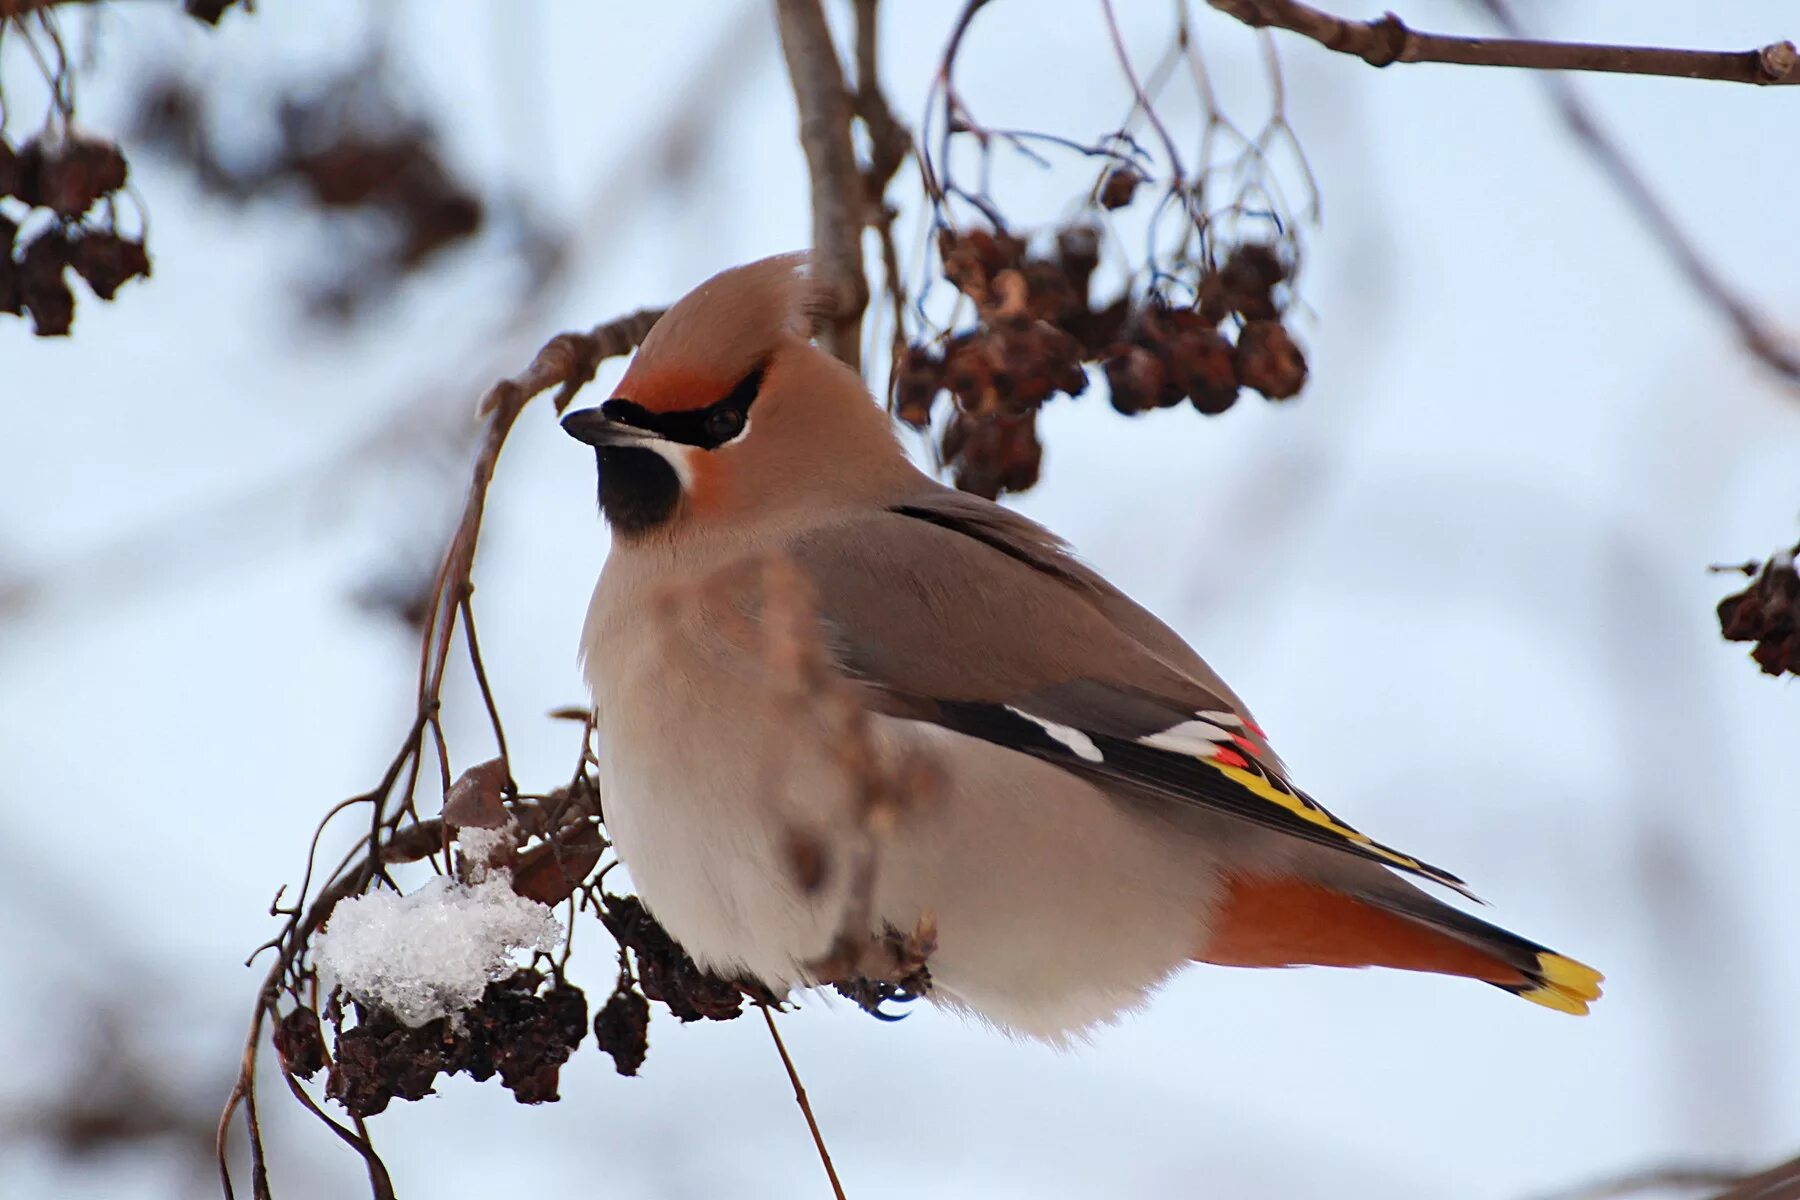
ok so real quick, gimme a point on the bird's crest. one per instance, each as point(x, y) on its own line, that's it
point(722, 330)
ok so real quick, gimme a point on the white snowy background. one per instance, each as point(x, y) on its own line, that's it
point(1462, 581)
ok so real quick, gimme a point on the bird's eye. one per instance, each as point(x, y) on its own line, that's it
point(723, 424)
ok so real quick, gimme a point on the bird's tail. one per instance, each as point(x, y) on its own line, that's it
point(1296, 922)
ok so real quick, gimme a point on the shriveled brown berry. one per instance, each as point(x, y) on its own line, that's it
point(106, 261)
point(973, 257)
point(918, 380)
point(1117, 189)
point(1249, 278)
point(993, 454)
point(1078, 253)
point(9, 168)
point(71, 176)
point(1768, 614)
point(1200, 363)
point(1135, 378)
point(300, 1043)
point(971, 365)
point(43, 289)
point(1268, 361)
point(622, 1028)
point(665, 972)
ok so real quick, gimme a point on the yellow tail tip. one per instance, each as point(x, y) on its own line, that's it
point(1568, 986)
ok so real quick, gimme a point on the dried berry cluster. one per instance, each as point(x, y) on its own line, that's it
point(516, 1031)
point(352, 151)
point(63, 178)
point(1037, 325)
point(1768, 614)
point(664, 973)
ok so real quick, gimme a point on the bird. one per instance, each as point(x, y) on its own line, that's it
point(1099, 809)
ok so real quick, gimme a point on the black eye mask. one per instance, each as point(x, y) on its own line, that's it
point(708, 428)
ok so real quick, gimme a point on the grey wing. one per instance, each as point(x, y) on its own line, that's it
point(962, 614)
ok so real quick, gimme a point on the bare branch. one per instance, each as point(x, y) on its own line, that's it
point(1761, 341)
point(839, 202)
point(1780, 1182)
point(1388, 40)
point(812, 1123)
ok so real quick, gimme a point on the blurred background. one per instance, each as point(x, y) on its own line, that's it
point(1462, 579)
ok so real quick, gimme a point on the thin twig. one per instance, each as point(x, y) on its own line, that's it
point(838, 199)
point(1388, 40)
point(1653, 1179)
point(837, 1188)
point(1781, 1182)
point(1762, 342)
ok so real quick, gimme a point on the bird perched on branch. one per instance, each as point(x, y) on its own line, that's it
point(1102, 809)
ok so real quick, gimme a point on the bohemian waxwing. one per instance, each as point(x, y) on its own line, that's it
point(1102, 809)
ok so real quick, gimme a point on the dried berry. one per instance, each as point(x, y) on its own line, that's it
point(994, 454)
point(1268, 361)
point(971, 259)
point(107, 261)
point(1117, 189)
point(71, 176)
point(1767, 613)
point(622, 1028)
point(43, 289)
point(918, 380)
point(666, 973)
point(1136, 378)
point(381, 1060)
point(300, 1043)
point(1078, 250)
point(1249, 278)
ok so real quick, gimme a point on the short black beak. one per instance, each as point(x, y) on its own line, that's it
point(594, 427)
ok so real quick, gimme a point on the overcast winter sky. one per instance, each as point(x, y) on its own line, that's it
point(1461, 580)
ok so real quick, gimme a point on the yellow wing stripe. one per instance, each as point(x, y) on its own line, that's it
point(1313, 814)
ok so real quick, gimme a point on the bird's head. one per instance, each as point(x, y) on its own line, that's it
point(729, 412)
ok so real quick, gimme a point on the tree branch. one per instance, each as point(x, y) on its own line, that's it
point(1764, 343)
point(838, 195)
point(1387, 40)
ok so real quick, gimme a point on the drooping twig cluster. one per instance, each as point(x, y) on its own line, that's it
point(1199, 314)
point(69, 184)
point(348, 145)
point(60, 193)
point(1037, 323)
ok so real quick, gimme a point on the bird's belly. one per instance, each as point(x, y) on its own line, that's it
point(704, 825)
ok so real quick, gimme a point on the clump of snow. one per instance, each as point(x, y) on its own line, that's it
point(432, 952)
point(482, 847)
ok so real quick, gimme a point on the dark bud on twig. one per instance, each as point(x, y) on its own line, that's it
point(1269, 361)
point(1117, 189)
point(1768, 614)
point(300, 1043)
point(622, 1028)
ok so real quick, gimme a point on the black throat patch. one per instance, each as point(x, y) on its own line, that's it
point(638, 488)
